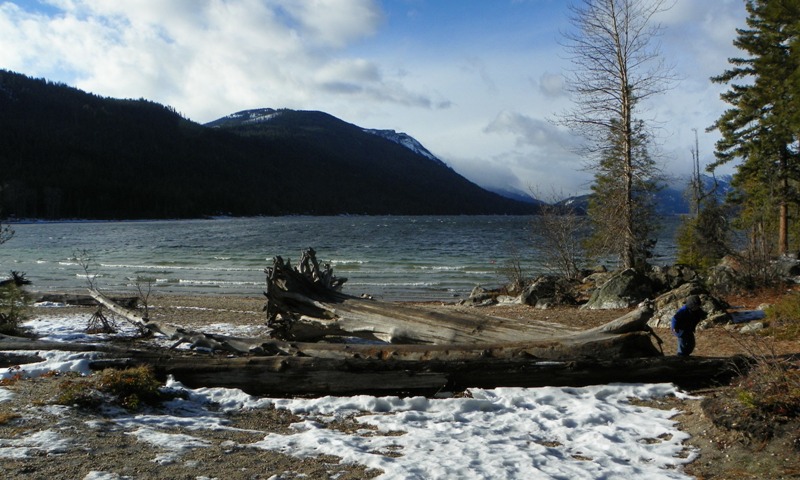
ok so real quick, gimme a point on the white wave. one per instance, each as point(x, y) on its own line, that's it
point(182, 267)
point(348, 262)
point(216, 283)
point(440, 268)
point(395, 284)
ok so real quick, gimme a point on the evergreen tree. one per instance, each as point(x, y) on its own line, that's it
point(762, 126)
point(703, 240)
point(614, 192)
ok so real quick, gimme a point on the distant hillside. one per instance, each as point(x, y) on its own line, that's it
point(65, 153)
point(670, 200)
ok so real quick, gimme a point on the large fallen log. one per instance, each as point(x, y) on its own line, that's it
point(305, 304)
point(319, 376)
point(625, 337)
point(343, 375)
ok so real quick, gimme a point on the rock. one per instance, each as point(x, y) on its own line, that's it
point(509, 300)
point(480, 297)
point(752, 327)
point(622, 290)
point(552, 288)
point(597, 278)
point(544, 303)
point(788, 266)
point(668, 303)
point(672, 276)
point(722, 278)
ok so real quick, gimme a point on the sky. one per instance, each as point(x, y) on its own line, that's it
point(515, 433)
point(478, 82)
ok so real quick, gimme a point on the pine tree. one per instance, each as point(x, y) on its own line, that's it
point(615, 192)
point(762, 126)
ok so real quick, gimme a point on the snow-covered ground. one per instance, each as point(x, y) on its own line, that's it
point(514, 433)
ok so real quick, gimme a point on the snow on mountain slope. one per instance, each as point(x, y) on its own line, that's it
point(407, 141)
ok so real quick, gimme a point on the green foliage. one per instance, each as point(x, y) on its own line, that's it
point(784, 317)
point(622, 205)
point(131, 388)
point(705, 239)
point(772, 389)
point(762, 125)
point(14, 307)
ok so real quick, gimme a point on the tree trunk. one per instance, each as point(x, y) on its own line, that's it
point(348, 375)
point(625, 337)
point(302, 307)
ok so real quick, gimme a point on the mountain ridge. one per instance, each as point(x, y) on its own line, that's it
point(66, 153)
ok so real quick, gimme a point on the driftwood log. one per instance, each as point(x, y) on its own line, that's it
point(625, 337)
point(306, 304)
point(304, 375)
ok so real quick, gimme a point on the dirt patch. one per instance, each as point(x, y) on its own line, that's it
point(728, 446)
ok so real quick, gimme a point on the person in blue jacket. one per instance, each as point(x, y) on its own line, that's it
point(684, 323)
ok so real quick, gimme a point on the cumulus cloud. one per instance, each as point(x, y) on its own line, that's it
point(203, 55)
point(541, 162)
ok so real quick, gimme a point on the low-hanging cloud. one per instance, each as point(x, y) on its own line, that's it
point(530, 131)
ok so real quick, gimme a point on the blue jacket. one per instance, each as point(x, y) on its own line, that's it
point(685, 320)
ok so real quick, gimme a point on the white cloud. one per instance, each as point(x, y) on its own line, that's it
point(552, 84)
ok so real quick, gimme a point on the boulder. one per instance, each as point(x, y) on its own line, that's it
point(722, 278)
point(669, 277)
point(547, 290)
point(752, 327)
point(480, 297)
point(622, 290)
point(668, 303)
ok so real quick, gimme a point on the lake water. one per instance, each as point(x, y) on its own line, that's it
point(391, 258)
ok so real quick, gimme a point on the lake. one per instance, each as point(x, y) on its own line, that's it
point(391, 257)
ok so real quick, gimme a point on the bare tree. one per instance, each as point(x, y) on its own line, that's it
point(697, 192)
point(617, 64)
point(559, 231)
point(98, 322)
point(144, 286)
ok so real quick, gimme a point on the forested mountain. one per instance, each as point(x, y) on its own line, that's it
point(65, 153)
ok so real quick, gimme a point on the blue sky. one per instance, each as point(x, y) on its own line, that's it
point(477, 82)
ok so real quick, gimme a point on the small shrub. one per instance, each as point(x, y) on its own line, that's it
point(6, 418)
point(14, 304)
point(131, 388)
point(784, 317)
point(80, 393)
point(772, 389)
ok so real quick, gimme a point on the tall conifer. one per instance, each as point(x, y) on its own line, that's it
point(762, 126)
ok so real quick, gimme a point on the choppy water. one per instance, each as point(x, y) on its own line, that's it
point(392, 258)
